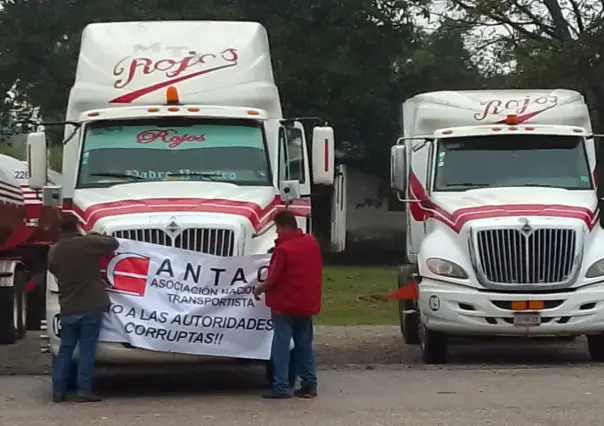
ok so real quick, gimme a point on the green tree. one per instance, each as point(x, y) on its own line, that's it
point(544, 43)
point(352, 63)
point(332, 59)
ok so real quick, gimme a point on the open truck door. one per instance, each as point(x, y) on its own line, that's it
point(325, 172)
point(338, 210)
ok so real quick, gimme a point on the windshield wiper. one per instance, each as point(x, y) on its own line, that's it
point(467, 185)
point(206, 176)
point(118, 175)
point(540, 184)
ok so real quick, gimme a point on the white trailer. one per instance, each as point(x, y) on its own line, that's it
point(503, 237)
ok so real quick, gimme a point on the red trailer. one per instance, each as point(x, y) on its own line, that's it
point(27, 230)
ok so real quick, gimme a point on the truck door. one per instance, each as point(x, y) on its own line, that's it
point(297, 157)
point(419, 171)
point(293, 165)
point(338, 210)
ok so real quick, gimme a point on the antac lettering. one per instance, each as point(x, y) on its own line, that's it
point(515, 106)
point(127, 69)
point(167, 136)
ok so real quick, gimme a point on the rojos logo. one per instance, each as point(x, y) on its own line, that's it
point(168, 136)
point(175, 70)
point(520, 107)
point(127, 273)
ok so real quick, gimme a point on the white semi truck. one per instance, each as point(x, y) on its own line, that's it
point(503, 233)
point(176, 136)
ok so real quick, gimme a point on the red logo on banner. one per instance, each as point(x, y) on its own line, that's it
point(126, 273)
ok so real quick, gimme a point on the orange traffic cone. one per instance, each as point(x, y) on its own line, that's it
point(407, 292)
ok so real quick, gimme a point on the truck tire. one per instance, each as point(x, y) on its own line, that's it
point(21, 277)
point(12, 308)
point(409, 322)
point(36, 304)
point(595, 345)
point(434, 345)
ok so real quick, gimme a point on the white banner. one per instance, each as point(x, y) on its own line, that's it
point(173, 300)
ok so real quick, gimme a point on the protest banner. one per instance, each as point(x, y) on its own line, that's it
point(173, 300)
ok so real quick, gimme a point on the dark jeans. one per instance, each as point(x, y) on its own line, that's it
point(301, 329)
point(293, 374)
point(83, 331)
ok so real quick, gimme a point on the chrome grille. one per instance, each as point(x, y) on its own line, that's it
point(508, 256)
point(218, 242)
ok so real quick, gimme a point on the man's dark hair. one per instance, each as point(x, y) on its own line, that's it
point(286, 219)
point(69, 224)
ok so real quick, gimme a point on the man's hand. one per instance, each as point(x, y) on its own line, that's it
point(258, 290)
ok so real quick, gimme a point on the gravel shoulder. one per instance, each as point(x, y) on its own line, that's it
point(360, 346)
point(386, 396)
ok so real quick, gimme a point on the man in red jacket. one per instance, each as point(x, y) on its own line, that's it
point(293, 290)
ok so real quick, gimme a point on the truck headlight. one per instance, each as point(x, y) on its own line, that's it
point(595, 270)
point(445, 268)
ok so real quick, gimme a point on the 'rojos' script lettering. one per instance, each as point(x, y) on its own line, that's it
point(129, 68)
point(168, 136)
point(515, 106)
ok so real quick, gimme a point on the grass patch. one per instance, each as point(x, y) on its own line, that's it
point(357, 296)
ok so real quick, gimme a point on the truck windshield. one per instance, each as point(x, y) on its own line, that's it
point(232, 151)
point(511, 161)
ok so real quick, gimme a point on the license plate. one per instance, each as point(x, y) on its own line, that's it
point(527, 319)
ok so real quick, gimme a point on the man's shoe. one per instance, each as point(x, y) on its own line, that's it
point(58, 398)
point(305, 393)
point(272, 395)
point(88, 398)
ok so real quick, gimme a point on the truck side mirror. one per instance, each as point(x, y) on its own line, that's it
point(36, 160)
point(290, 190)
point(398, 169)
point(323, 155)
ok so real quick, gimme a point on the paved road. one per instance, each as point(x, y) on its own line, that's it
point(383, 396)
point(505, 383)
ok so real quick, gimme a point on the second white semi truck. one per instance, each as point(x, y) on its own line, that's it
point(503, 233)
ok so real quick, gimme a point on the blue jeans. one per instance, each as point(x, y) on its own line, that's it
point(293, 374)
point(83, 331)
point(301, 329)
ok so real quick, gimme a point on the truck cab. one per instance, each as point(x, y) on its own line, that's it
point(502, 218)
point(183, 144)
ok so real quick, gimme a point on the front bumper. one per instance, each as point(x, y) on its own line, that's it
point(120, 353)
point(464, 311)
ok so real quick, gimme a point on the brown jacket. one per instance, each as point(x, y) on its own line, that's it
point(74, 261)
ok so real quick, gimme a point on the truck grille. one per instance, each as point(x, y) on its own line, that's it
point(218, 242)
point(510, 256)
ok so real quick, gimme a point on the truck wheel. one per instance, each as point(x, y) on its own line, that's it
point(409, 322)
point(12, 305)
point(434, 346)
point(595, 345)
point(36, 304)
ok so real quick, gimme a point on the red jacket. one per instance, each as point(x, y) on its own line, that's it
point(295, 276)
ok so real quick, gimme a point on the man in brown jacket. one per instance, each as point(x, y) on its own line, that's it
point(83, 301)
